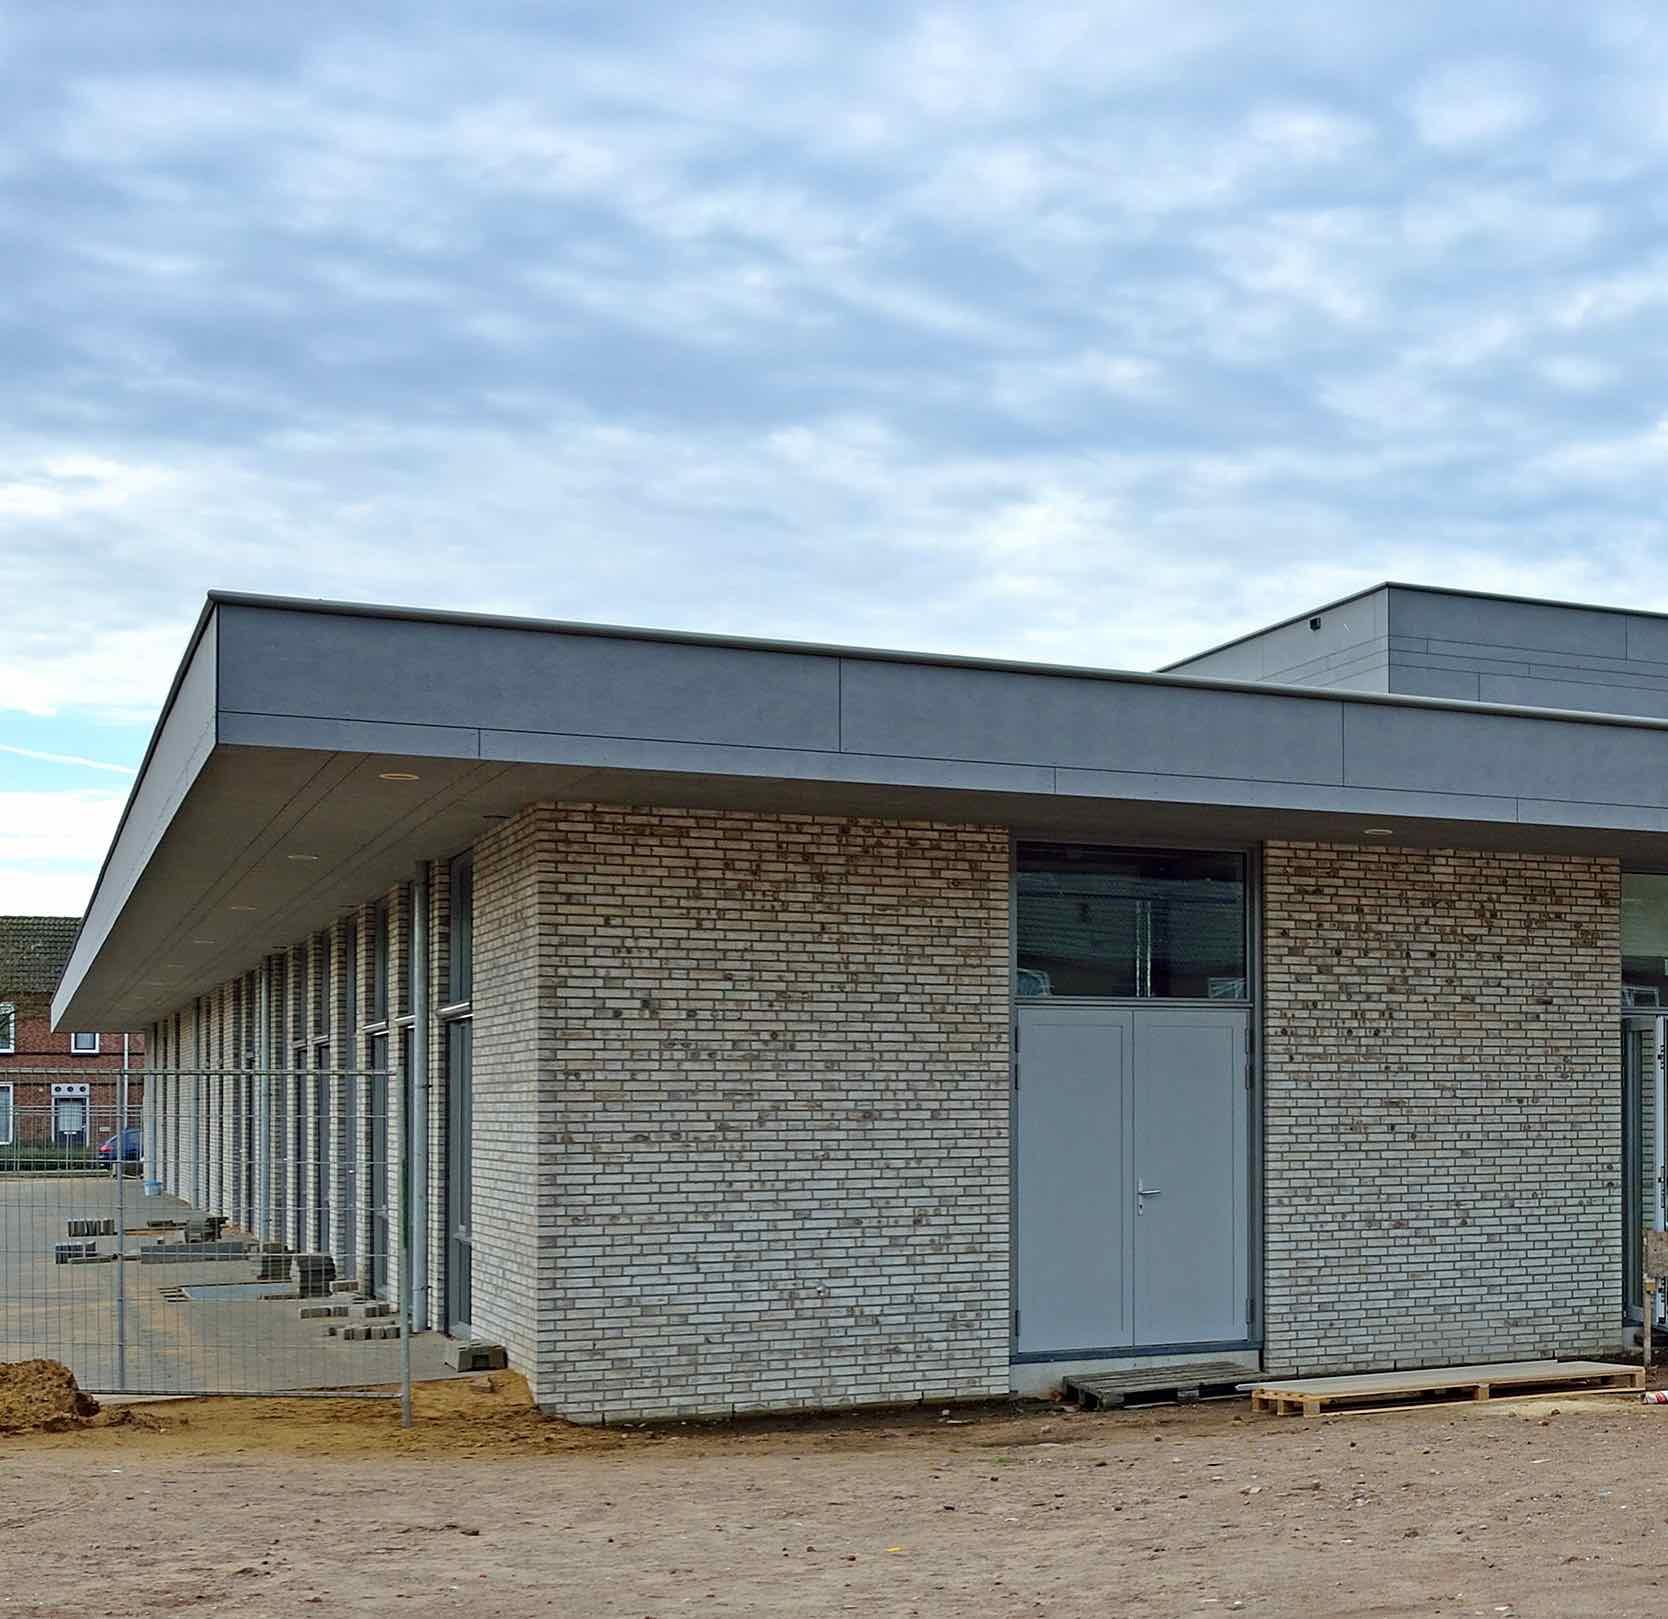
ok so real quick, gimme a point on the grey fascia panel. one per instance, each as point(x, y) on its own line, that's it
point(1518, 755)
point(1285, 795)
point(1000, 716)
point(710, 759)
point(1647, 639)
point(350, 736)
point(1604, 699)
point(420, 671)
point(183, 741)
point(1567, 812)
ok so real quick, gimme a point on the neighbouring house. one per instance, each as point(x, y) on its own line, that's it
point(74, 1106)
point(769, 1025)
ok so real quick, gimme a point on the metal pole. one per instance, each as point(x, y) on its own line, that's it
point(1659, 1101)
point(417, 1135)
point(417, 1126)
point(119, 1160)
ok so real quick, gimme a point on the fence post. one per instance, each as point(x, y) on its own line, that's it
point(118, 1159)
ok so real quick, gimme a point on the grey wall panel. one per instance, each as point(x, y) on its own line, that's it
point(1415, 680)
point(1503, 753)
point(995, 715)
point(1631, 675)
point(1475, 653)
point(1484, 621)
point(278, 661)
point(1594, 696)
point(1342, 628)
point(1466, 663)
point(1343, 631)
point(1241, 661)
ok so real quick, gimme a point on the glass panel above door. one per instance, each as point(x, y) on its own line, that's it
point(1644, 940)
point(1131, 924)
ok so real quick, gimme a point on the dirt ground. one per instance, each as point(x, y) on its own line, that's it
point(259, 1508)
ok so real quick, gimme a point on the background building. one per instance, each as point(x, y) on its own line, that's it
point(35, 1109)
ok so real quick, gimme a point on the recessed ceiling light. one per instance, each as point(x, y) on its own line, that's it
point(301, 857)
point(397, 775)
point(205, 941)
point(1377, 831)
point(240, 907)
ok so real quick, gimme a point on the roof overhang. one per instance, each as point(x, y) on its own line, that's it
point(263, 808)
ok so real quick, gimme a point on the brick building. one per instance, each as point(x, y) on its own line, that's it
point(728, 1025)
point(78, 1108)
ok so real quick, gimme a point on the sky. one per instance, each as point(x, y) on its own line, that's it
point(1093, 333)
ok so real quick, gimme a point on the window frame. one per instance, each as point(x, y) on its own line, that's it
point(8, 1139)
point(8, 1028)
point(84, 1051)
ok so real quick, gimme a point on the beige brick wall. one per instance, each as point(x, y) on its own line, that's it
point(1442, 1117)
point(514, 1089)
point(776, 1112)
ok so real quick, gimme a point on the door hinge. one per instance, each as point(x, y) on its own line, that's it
point(1248, 1313)
point(1016, 1323)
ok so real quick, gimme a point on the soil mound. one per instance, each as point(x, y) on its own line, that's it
point(41, 1394)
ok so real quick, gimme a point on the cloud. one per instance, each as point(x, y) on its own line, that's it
point(45, 840)
point(1085, 332)
point(44, 757)
point(1467, 104)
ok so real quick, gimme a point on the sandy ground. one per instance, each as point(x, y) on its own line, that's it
point(256, 1508)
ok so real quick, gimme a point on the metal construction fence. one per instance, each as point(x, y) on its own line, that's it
point(238, 1233)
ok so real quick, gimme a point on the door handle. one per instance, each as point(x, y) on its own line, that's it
point(1144, 1190)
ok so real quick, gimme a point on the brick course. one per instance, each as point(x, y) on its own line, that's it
point(1442, 1114)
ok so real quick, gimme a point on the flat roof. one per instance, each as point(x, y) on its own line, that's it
point(287, 716)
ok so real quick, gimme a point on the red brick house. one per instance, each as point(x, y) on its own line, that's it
point(78, 1110)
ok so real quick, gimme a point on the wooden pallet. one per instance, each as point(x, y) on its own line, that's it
point(1194, 1380)
point(1309, 1396)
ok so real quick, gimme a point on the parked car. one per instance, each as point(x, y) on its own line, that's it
point(131, 1149)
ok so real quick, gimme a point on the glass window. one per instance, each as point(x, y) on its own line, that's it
point(461, 939)
point(379, 966)
point(8, 1027)
point(1131, 923)
point(1644, 939)
point(350, 967)
point(85, 1045)
point(5, 1115)
point(321, 984)
point(408, 954)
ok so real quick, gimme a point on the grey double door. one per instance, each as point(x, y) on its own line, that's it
point(1132, 1213)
